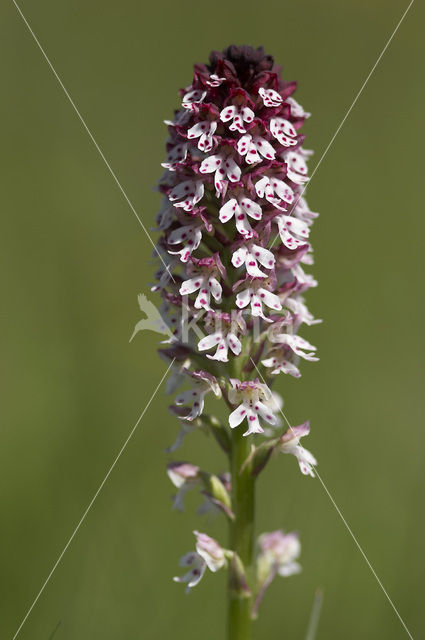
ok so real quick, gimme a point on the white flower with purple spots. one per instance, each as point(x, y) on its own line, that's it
point(256, 295)
point(296, 167)
point(238, 115)
point(290, 443)
point(190, 236)
point(279, 363)
point(241, 209)
point(208, 554)
point(253, 399)
point(204, 131)
point(296, 109)
point(207, 284)
point(187, 194)
point(204, 382)
point(255, 148)
point(297, 344)
point(224, 169)
point(283, 131)
point(274, 191)
point(176, 156)
point(252, 254)
point(293, 232)
point(192, 98)
point(270, 97)
point(223, 341)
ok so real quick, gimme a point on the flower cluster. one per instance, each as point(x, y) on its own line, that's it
point(235, 238)
point(235, 224)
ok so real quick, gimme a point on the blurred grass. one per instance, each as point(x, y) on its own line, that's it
point(74, 258)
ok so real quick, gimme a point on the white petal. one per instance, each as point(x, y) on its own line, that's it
point(243, 226)
point(270, 299)
point(282, 190)
point(236, 417)
point(252, 154)
point(264, 256)
point(252, 268)
point(227, 210)
point(228, 113)
point(265, 148)
point(237, 124)
point(260, 186)
point(210, 341)
point(247, 114)
point(265, 413)
point(243, 144)
point(233, 171)
point(234, 343)
point(252, 208)
point(189, 286)
point(270, 97)
point(238, 258)
point(243, 298)
point(253, 424)
point(215, 288)
point(210, 164)
point(203, 300)
point(221, 353)
point(198, 129)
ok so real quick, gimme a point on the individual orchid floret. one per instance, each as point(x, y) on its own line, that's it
point(254, 149)
point(301, 313)
point(268, 187)
point(283, 131)
point(253, 400)
point(208, 554)
point(187, 194)
point(196, 565)
point(184, 476)
point(238, 117)
point(241, 209)
point(204, 131)
point(223, 342)
point(271, 98)
point(296, 167)
point(190, 236)
point(215, 80)
point(256, 294)
point(210, 551)
point(279, 362)
point(249, 255)
point(297, 344)
point(204, 278)
point(297, 110)
point(224, 168)
point(176, 156)
point(192, 98)
point(290, 443)
point(224, 335)
point(203, 383)
point(278, 553)
point(293, 232)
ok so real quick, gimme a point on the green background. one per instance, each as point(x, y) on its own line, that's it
point(74, 258)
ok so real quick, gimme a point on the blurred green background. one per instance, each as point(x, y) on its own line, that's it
point(74, 259)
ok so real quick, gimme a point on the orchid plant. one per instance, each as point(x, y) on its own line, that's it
point(235, 236)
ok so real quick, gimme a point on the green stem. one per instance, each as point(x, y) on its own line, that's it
point(241, 538)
